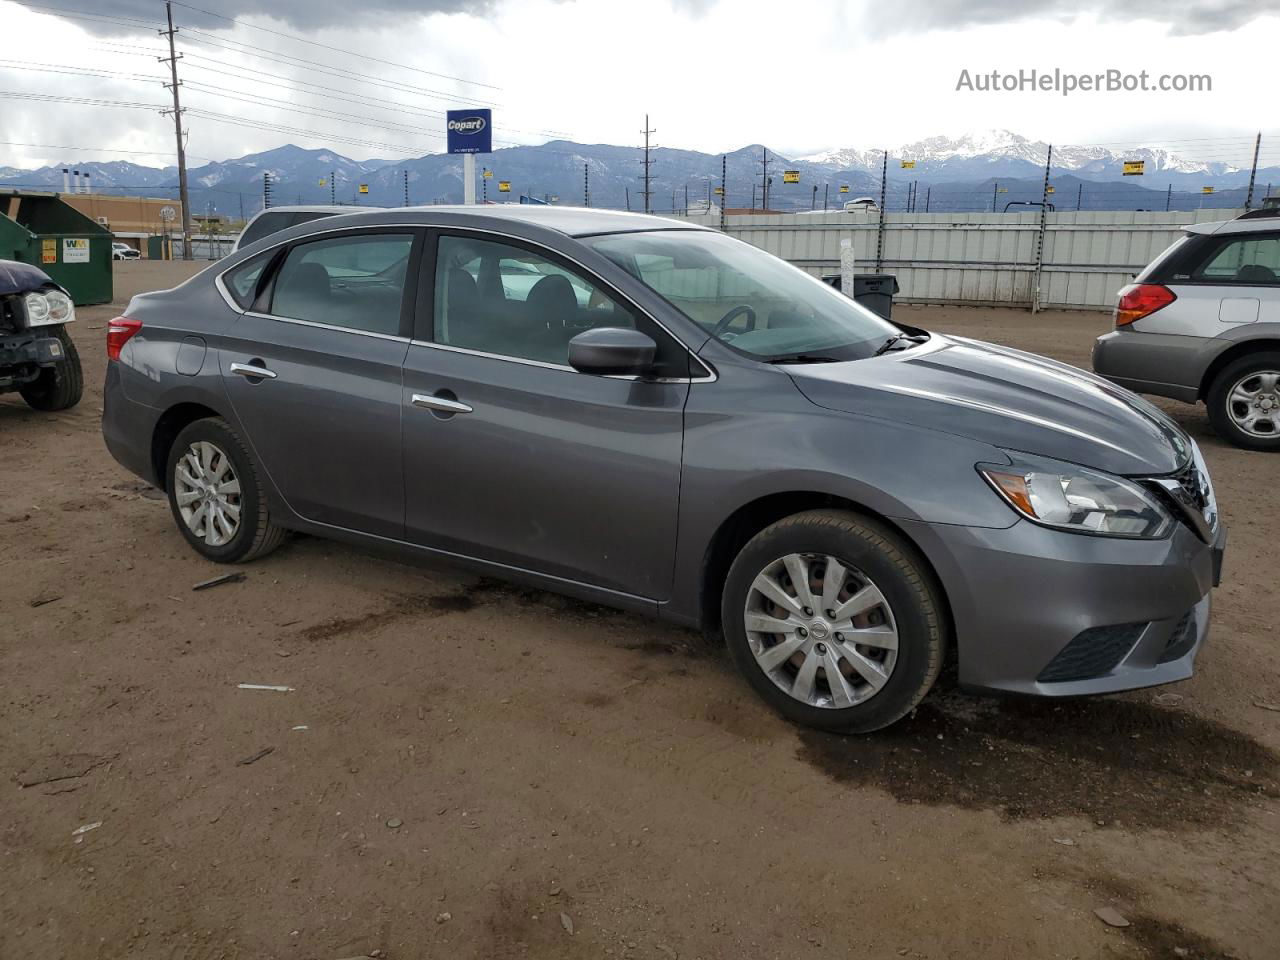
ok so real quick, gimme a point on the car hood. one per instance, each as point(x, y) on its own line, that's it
point(17, 277)
point(1007, 398)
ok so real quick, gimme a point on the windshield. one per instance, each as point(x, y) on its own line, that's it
point(747, 298)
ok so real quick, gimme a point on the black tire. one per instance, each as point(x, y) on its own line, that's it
point(256, 535)
point(903, 579)
point(1219, 403)
point(58, 387)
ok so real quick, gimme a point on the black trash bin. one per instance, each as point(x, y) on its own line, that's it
point(875, 292)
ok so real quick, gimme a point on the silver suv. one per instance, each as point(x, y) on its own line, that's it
point(1202, 322)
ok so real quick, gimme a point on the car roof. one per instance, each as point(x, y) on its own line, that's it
point(1239, 225)
point(313, 208)
point(571, 221)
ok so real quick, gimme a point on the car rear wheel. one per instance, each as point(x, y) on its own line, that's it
point(58, 387)
point(1244, 402)
point(216, 497)
point(835, 620)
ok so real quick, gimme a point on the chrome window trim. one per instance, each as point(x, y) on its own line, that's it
point(709, 377)
point(563, 367)
point(325, 326)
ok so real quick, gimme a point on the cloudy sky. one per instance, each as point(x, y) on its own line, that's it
point(369, 79)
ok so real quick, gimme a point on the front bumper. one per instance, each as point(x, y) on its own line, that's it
point(23, 354)
point(1054, 614)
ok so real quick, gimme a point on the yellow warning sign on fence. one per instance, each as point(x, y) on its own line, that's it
point(790, 176)
point(364, 188)
point(488, 174)
point(908, 164)
point(719, 191)
point(1050, 189)
point(1133, 168)
point(1206, 189)
point(504, 186)
point(844, 188)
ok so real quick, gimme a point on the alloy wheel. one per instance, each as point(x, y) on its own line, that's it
point(821, 630)
point(1254, 404)
point(207, 492)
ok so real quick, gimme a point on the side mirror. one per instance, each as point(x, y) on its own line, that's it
point(612, 350)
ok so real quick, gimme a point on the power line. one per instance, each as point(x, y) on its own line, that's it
point(350, 53)
point(275, 55)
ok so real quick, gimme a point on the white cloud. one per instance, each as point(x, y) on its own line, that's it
point(798, 76)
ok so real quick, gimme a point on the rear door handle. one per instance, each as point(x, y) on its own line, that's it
point(443, 404)
point(253, 370)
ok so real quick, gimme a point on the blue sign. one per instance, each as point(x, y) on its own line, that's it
point(470, 131)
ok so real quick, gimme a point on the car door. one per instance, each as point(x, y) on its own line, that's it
point(313, 373)
point(514, 457)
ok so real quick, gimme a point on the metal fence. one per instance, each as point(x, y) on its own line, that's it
point(978, 258)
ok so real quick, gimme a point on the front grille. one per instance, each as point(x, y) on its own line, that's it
point(1189, 493)
point(1092, 653)
point(1182, 639)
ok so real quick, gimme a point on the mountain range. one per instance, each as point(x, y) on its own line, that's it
point(949, 174)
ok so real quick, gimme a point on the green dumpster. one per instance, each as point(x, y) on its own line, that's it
point(42, 230)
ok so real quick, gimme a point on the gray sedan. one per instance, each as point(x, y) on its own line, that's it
point(651, 415)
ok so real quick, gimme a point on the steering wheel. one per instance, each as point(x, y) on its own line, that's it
point(732, 315)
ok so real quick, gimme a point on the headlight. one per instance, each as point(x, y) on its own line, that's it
point(1068, 497)
point(48, 307)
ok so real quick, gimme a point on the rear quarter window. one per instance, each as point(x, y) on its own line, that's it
point(242, 281)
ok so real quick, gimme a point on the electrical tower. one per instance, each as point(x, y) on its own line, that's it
point(183, 198)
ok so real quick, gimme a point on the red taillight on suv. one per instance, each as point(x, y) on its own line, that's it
point(119, 332)
point(1139, 300)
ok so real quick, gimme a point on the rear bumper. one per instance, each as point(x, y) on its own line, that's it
point(1056, 614)
point(127, 427)
point(1156, 363)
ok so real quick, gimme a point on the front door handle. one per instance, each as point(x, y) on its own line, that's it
point(443, 404)
point(252, 370)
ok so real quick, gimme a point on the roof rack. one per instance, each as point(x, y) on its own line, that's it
point(1260, 214)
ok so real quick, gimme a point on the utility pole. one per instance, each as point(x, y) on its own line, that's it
point(753, 196)
point(995, 190)
point(1080, 198)
point(484, 185)
point(406, 187)
point(813, 200)
point(884, 179)
point(333, 190)
point(177, 129)
point(724, 189)
point(586, 184)
point(1168, 198)
point(686, 199)
point(647, 177)
point(1253, 174)
point(928, 193)
point(764, 179)
point(266, 193)
point(1044, 223)
point(826, 194)
point(628, 189)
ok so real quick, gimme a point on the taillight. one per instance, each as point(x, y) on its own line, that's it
point(119, 332)
point(1140, 300)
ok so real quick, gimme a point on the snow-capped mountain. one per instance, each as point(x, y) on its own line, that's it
point(990, 147)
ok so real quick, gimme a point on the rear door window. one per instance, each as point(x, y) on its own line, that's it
point(1252, 260)
point(354, 281)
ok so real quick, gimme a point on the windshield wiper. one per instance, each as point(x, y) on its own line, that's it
point(802, 358)
point(897, 338)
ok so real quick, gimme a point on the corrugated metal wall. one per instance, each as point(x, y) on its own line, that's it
point(979, 258)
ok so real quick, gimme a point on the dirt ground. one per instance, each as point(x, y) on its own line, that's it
point(464, 769)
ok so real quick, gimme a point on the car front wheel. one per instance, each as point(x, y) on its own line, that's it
point(215, 495)
point(835, 620)
point(1244, 402)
